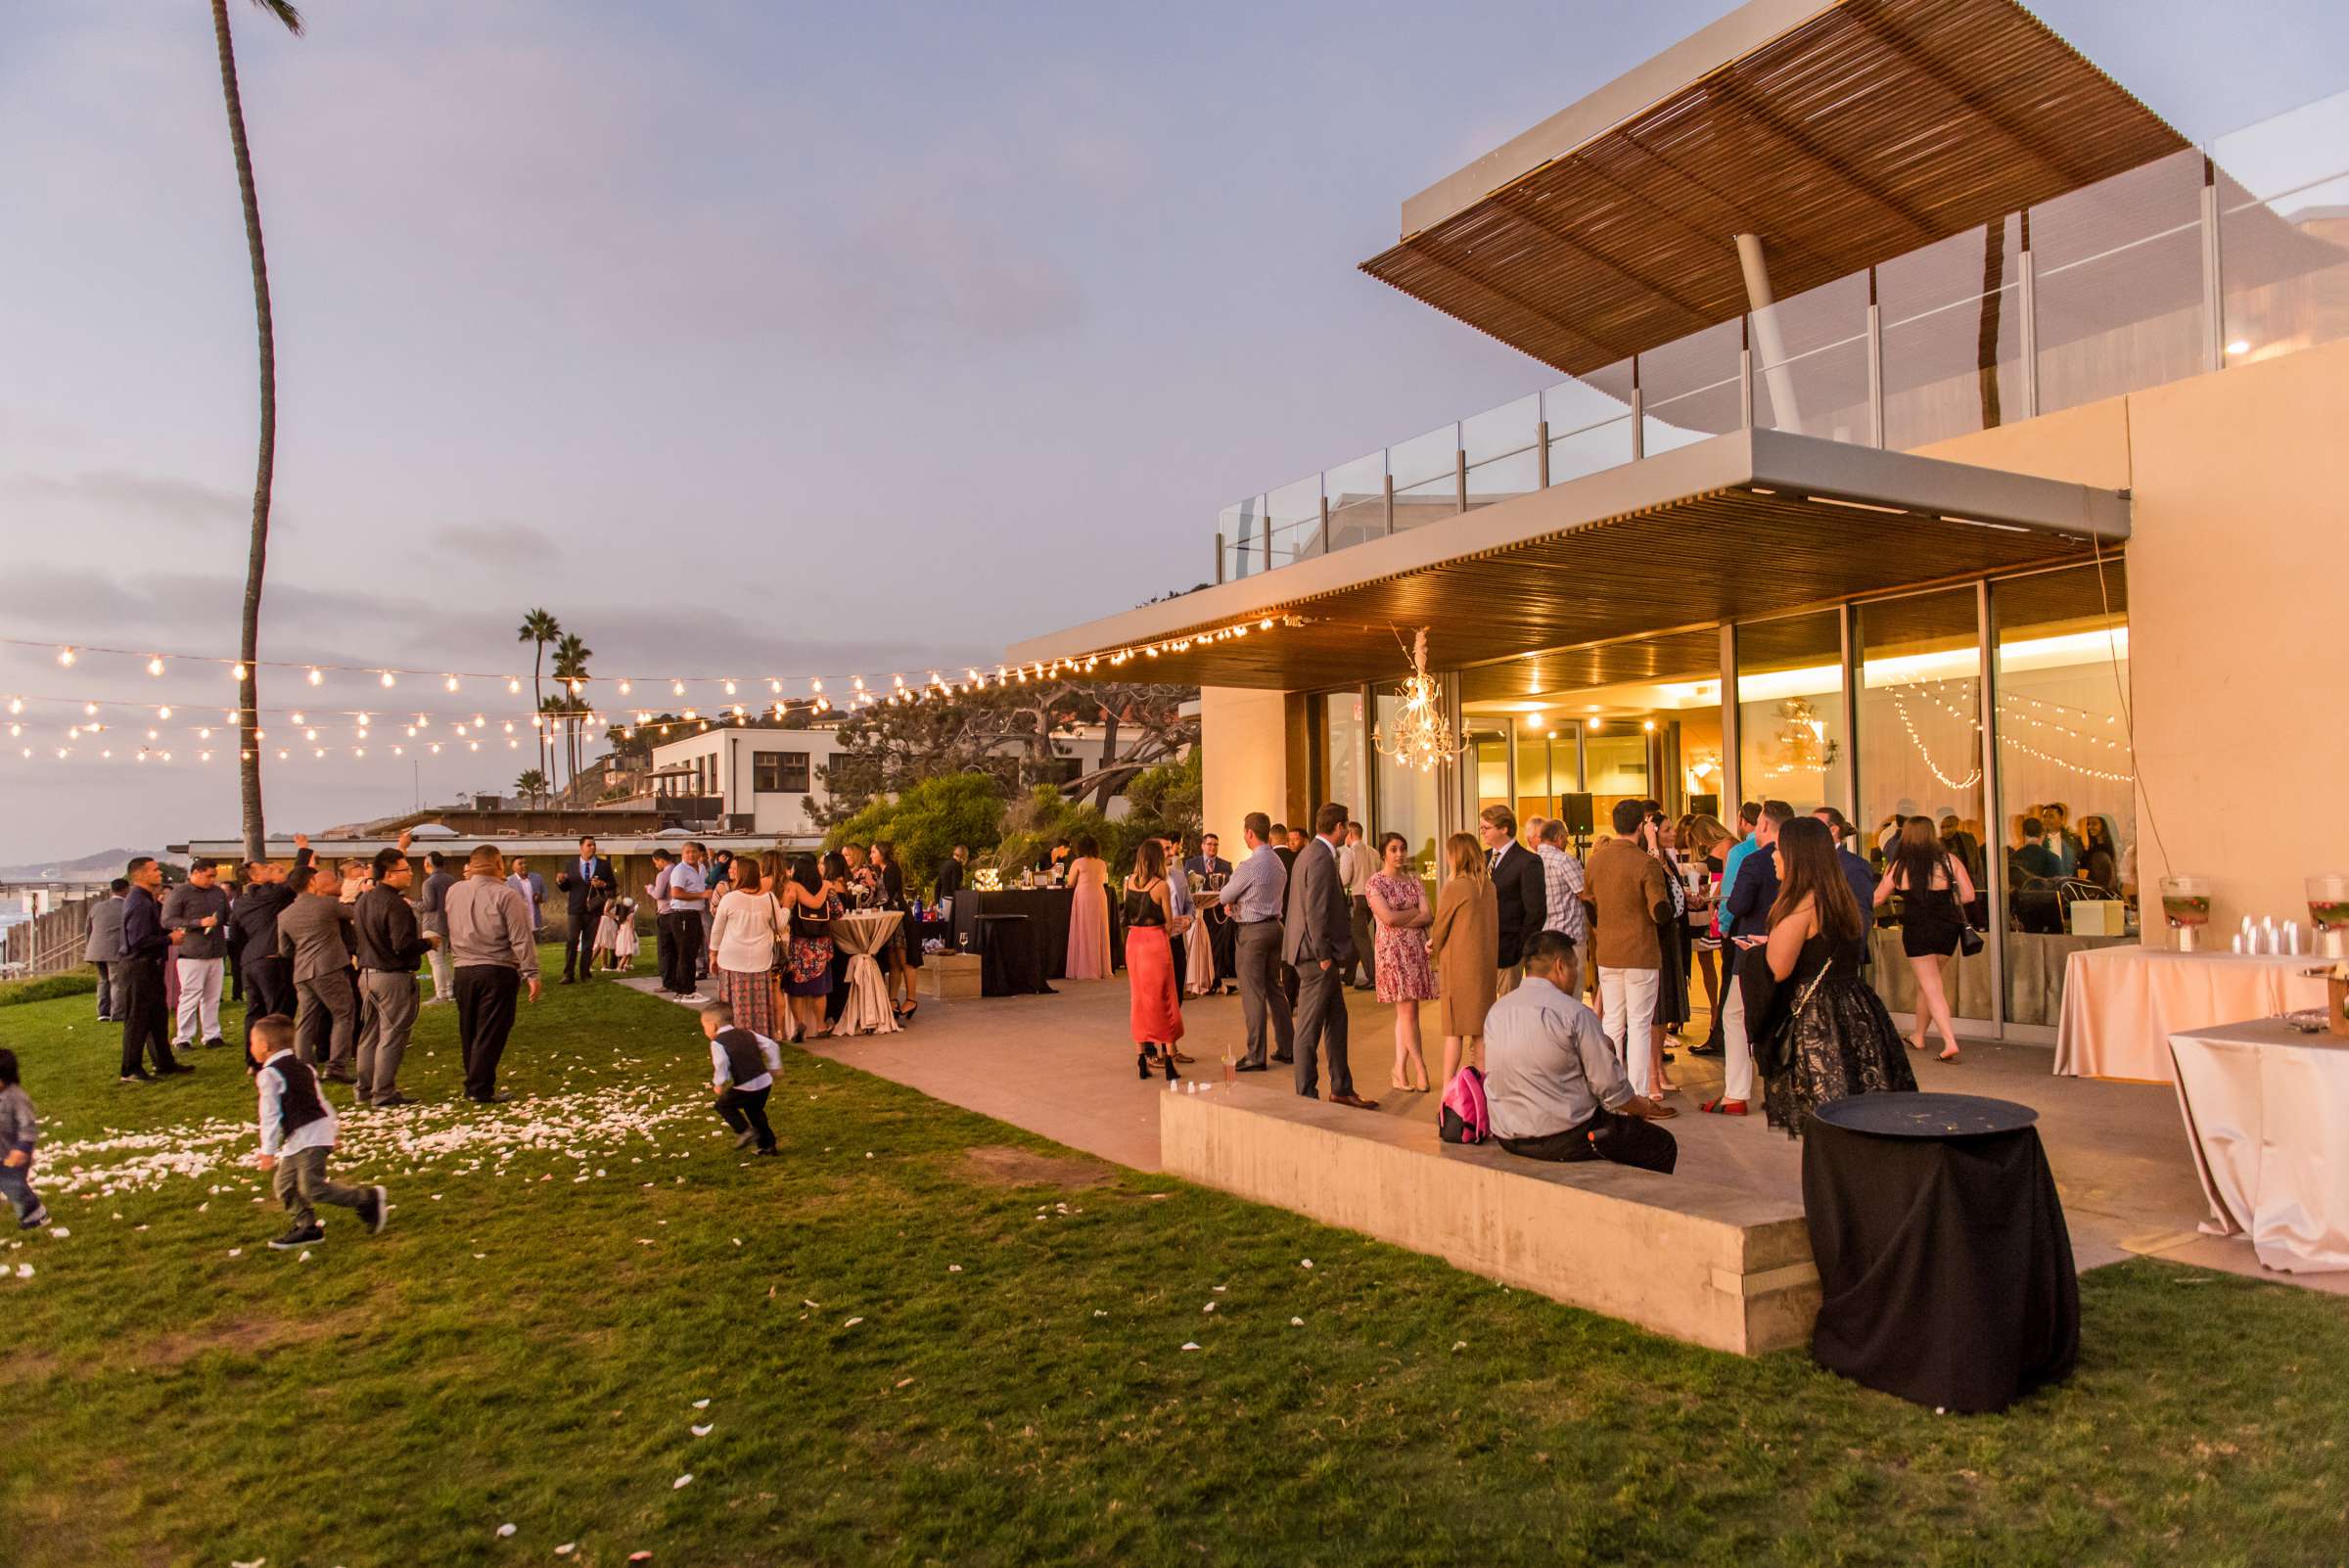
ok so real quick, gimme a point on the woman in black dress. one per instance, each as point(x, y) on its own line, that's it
point(1841, 1041)
point(1934, 890)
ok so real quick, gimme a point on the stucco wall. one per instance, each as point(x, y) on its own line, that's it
point(1244, 736)
point(2239, 590)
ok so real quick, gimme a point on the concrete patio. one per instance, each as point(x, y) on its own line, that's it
point(1062, 1066)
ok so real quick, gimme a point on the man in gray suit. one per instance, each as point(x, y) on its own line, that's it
point(105, 949)
point(1319, 939)
point(315, 932)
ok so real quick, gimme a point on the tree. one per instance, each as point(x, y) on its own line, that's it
point(531, 784)
point(571, 654)
point(248, 644)
point(1006, 733)
point(539, 628)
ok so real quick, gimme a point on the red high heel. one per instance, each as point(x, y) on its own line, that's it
point(1724, 1106)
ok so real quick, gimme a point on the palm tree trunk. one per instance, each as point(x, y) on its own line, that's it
point(547, 763)
point(249, 746)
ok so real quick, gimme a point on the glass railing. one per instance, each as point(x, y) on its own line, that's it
point(2210, 256)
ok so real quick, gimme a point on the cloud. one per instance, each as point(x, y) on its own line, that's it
point(161, 497)
point(497, 543)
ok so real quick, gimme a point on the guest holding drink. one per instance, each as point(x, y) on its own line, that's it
point(1934, 888)
point(1155, 1007)
point(1404, 980)
point(1088, 911)
point(1466, 944)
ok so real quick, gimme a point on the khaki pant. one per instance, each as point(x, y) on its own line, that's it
point(1505, 980)
point(300, 1181)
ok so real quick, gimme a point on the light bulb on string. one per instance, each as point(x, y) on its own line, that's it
point(513, 683)
point(239, 674)
point(155, 664)
point(316, 677)
point(163, 711)
point(388, 680)
point(65, 656)
point(450, 683)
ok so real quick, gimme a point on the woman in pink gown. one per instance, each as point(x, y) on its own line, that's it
point(1088, 913)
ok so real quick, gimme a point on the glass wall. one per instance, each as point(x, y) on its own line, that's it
point(1790, 724)
point(1407, 800)
point(1341, 738)
point(2118, 270)
point(1618, 771)
point(1921, 755)
point(2067, 836)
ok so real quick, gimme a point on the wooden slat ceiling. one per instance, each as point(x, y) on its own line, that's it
point(1873, 129)
point(1755, 554)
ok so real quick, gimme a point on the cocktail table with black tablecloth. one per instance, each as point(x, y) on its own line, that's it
point(1047, 911)
point(1945, 1266)
point(1008, 962)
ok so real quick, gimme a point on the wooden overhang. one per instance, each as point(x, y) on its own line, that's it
point(1843, 135)
point(1750, 524)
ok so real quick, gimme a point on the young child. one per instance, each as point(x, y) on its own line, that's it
point(624, 940)
point(19, 1130)
point(745, 1065)
point(297, 1133)
point(607, 931)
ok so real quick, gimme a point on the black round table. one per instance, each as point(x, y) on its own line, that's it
point(1009, 964)
point(1945, 1267)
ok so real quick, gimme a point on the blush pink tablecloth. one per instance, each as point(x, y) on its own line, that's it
point(2122, 1004)
point(2267, 1112)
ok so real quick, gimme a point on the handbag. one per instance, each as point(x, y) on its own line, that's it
point(1774, 1049)
point(1969, 941)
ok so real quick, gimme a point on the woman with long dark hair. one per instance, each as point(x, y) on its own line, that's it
point(1088, 913)
point(812, 902)
point(1934, 890)
point(892, 879)
point(1841, 1041)
point(1155, 1005)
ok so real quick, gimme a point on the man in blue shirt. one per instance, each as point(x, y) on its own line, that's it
point(1253, 895)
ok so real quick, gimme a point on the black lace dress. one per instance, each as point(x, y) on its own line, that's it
point(1842, 1042)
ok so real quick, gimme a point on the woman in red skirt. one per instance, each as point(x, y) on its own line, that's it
point(1156, 999)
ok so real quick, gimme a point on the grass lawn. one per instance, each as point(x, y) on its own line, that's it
point(924, 1336)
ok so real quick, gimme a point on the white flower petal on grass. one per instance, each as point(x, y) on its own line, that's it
point(1099, 1313)
point(60, 1232)
point(703, 1430)
point(1296, 1322)
point(1306, 1263)
point(851, 1323)
point(1209, 1308)
point(567, 1548)
point(1189, 1344)
point(255, 1563)
point(678, 1485)
point(703, 1405)
point(505, 1530)
point(1220, 1289)
point(953, 1268)
point(24, 1270)
point(236, 1252)
point(1458, 1344)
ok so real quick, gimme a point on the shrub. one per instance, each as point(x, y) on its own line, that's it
point(47, 988)
point(927, 821)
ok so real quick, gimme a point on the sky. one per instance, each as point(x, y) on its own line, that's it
point(746, 338)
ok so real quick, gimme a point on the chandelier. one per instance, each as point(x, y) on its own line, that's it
point(1422, 736)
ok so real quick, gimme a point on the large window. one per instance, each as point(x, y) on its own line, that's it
point(1921, 756)
point(2065, 765)
point(1407, 798)
point(1790, 726)
point(779, 772)
point(1340, 736)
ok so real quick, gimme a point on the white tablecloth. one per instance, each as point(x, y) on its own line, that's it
point(861, 934)
point(2267, 1112)
point(2122, 1004)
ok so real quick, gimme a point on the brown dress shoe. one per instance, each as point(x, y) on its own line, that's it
point(1354, 1100)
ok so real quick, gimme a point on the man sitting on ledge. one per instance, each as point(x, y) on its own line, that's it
point(1552, 1085)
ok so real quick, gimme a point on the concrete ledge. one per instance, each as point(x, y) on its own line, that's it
point(1714, 1265)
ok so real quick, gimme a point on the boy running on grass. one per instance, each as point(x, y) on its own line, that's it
point(297, 1133)
point(745, 1064)
point(19, 1130)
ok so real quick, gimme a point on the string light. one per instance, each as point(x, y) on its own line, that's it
point(154, 665)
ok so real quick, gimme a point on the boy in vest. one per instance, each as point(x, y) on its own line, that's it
point(744, 1065)
point(297, 1133)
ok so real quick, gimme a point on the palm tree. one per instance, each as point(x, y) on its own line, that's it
point(248, 747)
point(571, 667)
point(539, 628)
point(531, 784)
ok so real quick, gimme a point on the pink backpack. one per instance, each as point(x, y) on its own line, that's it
point(1463, 1118)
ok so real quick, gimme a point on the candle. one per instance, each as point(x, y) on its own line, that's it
point(2238, 942)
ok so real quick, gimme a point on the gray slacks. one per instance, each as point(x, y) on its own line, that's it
point(326, 1015)
point(299, 1181)
point(1321, 1025)
point(391, 1013)
point(1255, 960)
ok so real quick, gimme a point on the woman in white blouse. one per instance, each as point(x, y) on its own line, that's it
point(743, 933)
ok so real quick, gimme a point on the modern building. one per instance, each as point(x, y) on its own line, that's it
point(1939, 433)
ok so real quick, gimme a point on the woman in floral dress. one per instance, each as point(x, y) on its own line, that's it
point(1399, 907)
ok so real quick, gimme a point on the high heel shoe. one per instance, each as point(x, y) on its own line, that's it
point(1167, 1058)
point(1141, 1060)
